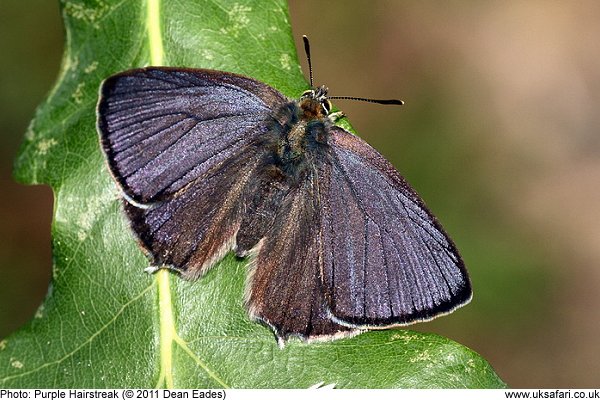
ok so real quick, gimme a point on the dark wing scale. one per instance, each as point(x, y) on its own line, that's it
point(263, 196)
point(162, 128)
point(285, 285)
point(194, 228)
point(183, 144)
point(387, 261)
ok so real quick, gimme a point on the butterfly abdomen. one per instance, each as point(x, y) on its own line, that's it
point(293, 143)
point(262, 199)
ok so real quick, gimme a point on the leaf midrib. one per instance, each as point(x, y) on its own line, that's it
point(167, 330)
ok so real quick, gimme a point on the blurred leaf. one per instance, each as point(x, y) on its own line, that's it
point(104, 323)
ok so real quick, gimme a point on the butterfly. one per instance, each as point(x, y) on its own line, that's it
point(210, 162)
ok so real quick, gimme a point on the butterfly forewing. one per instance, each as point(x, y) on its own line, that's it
point(387, 260)
point(162, 128)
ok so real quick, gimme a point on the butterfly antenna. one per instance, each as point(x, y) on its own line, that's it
point(310, 73)
point(390, 101)
point(307, 51)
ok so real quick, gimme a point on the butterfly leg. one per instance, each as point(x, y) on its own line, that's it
point(155, 268)
point(334, 117)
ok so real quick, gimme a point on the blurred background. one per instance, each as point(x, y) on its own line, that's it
point(500, 136)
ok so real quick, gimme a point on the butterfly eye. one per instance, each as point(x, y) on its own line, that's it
point(308, 93)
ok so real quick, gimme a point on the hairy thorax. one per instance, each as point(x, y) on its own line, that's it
point(300, 135)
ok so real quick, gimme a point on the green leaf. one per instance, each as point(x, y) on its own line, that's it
point(104, 323)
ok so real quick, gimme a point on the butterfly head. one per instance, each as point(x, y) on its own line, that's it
point(314, 102)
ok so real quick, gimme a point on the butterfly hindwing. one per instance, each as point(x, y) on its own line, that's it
point(386, 260)
point(194, 228)
point(285, 287)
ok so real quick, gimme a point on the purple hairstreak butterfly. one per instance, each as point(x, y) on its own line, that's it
point(210, 162)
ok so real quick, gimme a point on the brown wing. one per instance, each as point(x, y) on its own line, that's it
point(194, 228)
point(285, 287)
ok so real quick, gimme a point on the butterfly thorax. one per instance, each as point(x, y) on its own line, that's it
point(300, 132)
